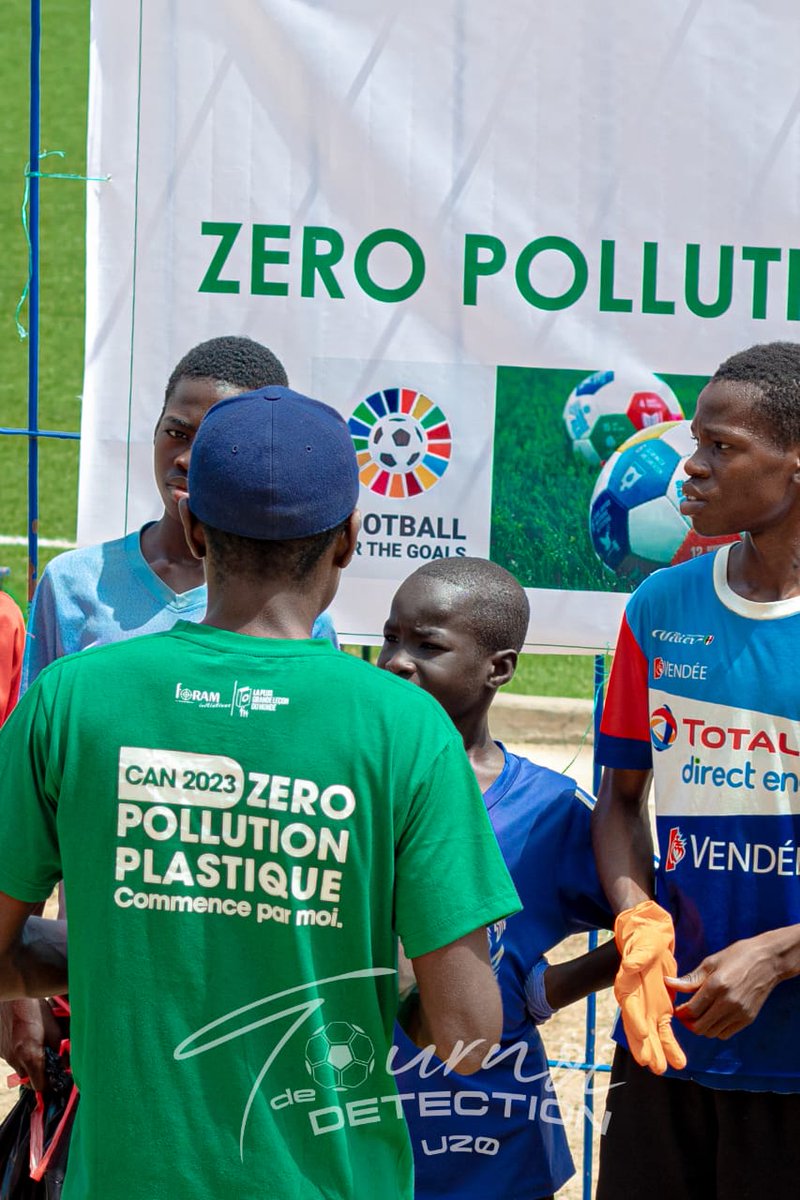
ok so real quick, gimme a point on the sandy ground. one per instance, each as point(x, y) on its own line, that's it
point(564, 1035)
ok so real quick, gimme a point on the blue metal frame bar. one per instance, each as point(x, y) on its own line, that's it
point(579, 1066)
point(46, 433)
point(33, 301)
point(591, 1002)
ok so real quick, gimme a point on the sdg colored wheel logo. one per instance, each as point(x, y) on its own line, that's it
point(340, 1056)
point(403, 442)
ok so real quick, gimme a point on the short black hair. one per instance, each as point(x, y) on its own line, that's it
point(238, 361)
point(498, 611)
point(773, 368)
point(251, 559)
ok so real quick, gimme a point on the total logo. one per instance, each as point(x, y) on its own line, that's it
point(698, 733)
point(676, 849)
point(663, 727)
point(402, 440)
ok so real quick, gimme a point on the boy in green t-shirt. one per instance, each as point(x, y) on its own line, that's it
point(238, 861)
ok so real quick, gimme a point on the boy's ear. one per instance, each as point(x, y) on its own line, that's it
point(192, 530)
point(503, 666)
point(348, 540)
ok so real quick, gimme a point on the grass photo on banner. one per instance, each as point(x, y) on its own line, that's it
point(543, 485)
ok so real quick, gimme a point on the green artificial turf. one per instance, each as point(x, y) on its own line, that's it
point(64, 71)
point(542, 490)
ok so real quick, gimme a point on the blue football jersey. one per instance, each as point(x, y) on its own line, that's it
point(704, 690)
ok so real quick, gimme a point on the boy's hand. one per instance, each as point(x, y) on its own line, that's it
point(645, 937)
point(729, 988)
point(26, 1027)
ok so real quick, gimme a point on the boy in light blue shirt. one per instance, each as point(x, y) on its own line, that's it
point(148, 580)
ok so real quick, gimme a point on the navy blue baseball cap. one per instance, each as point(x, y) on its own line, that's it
point(272, 465)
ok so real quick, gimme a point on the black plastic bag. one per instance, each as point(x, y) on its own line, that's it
point(15, 1148)
point(51, 1126)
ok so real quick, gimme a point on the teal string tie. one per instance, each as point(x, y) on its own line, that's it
point(29, 174)
point(590, 726)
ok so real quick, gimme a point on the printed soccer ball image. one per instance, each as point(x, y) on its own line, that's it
point(608, 407)
point(340, 1056)
point(635, 521)
point(397, 442)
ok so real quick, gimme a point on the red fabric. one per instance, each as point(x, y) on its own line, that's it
point(12, 644)
point(626, 709)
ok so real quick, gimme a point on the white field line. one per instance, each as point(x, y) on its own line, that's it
point(47, 543)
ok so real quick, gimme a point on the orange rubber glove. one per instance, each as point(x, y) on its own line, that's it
point(645, 938)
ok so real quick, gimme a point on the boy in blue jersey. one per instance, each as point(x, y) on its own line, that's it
point(704, 695)
point(455, 629)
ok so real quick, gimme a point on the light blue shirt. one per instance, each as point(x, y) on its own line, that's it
point(107, 593)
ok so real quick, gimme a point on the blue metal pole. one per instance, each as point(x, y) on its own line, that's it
point(33, 302)
point(591, 1002)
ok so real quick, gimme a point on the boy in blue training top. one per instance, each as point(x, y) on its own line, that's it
point(455, 629)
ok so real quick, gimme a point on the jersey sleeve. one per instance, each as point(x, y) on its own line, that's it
point(583, 902)
point(42, 642)
point(624, 739)
point(12, 642)
point(450, 877)
point(30, 863)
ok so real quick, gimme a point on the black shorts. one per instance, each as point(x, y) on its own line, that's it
point(676, 1139)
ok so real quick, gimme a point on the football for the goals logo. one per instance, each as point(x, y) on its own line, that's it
point(402, 440)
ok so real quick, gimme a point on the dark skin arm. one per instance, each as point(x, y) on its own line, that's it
point(459, 1003)
point(623, 845)
point(33, 952)
point(730, 986)
point(567, 982)
point(26, 1027)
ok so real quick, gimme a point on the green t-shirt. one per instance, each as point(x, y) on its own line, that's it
point(242, 826)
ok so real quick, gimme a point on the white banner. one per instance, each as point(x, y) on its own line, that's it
point(447, 219)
